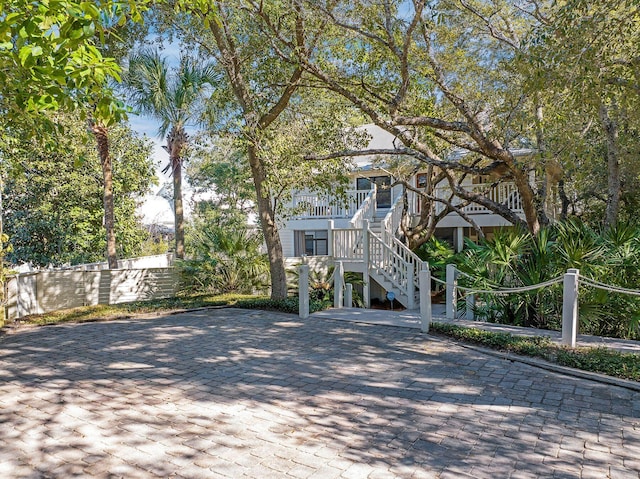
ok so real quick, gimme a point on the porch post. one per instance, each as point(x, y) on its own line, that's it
point(338, 282)
point(411, 287)
point(459, 239)
point(348, 295)
point(451, 291)
point(471, 304)
point(365, 259)
point(330, 226)
point(425, 300)
point(570, 308)
point(303, 291)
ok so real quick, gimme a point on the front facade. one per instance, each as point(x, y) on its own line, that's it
point(365, 223)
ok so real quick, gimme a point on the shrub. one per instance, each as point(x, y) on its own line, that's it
point(225, 260)
point(514, 258)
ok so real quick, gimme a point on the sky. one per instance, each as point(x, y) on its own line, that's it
point(155, 209)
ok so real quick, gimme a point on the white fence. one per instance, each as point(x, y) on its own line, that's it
point(156, 261)
point(37, 293)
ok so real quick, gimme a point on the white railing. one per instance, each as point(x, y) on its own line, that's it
point(504, 193)
point(347, 244)
point(408, 257)
point(391, 221)
point(366, 211)
point(390, 225)
point(313, 205)
point(390, 265)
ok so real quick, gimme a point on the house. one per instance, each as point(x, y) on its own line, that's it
point(361, 230)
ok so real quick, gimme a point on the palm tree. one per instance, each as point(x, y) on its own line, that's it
point(176, 98)
point(101, 134)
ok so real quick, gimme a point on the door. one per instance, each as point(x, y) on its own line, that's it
point(383, 184)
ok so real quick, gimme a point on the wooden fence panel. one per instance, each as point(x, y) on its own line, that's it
point(37, 293)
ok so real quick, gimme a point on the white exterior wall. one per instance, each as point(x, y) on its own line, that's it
point(286, 238)
point(321, 224)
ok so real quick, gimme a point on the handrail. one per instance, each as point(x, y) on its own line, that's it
point(391, 221)
point(503, 193)
point(410, 257)
point(390, 225)
point(391, 265)
point(366, 210)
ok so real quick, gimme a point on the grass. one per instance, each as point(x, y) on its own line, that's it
point(129, 310)
point(599, 360)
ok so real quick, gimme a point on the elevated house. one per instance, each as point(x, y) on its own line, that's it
point(363, 229)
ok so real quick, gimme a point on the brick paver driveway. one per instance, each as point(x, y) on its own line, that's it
point(246, 394)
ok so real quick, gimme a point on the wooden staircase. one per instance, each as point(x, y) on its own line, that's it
point(371, 247)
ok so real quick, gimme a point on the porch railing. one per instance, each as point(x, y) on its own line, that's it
point(347, 244)
point(502, 193)
point(314, 205)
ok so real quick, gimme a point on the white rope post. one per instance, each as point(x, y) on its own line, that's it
point(452, 283)
point(411, 287)
point(365, 260)
point(425, 299)
point(303, 291)
point(348, 295)
point(570, 308)
point(471, 305)
point(338, 281)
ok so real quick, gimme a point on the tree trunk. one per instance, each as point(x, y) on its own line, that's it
point(269, 228)
point(528, 197)
point(177, 139)
point(177, 207)
point(610, 127)
point(101, 135)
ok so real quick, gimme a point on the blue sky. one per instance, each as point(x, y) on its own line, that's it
point(156, 209)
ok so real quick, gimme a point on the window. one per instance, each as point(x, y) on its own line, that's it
point(311, 243)
point(421, 180)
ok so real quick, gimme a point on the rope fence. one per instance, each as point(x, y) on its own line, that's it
point(571, 281)
point(607, 287)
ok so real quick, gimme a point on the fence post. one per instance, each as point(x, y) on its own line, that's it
point(330, 238)
point(425, 299)
point(348, 295)
point(365, 259)
point(303, 291)
point(338, 281)
point(411, 287)
point(570, 308)
point(452, 284)
point(471, 304)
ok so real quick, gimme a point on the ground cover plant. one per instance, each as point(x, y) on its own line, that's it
point(515, 258)
point(103, 312)
point(599, 360)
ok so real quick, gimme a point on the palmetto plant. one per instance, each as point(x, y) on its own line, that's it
point(176, 98)
point(515, 258)
point(225, 261)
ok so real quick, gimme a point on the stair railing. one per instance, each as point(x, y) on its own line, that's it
point(366, 211)
point(392, 267)
point(390, 225)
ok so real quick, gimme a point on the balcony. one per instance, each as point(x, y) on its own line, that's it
point(312, 205)
point(503, 193)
